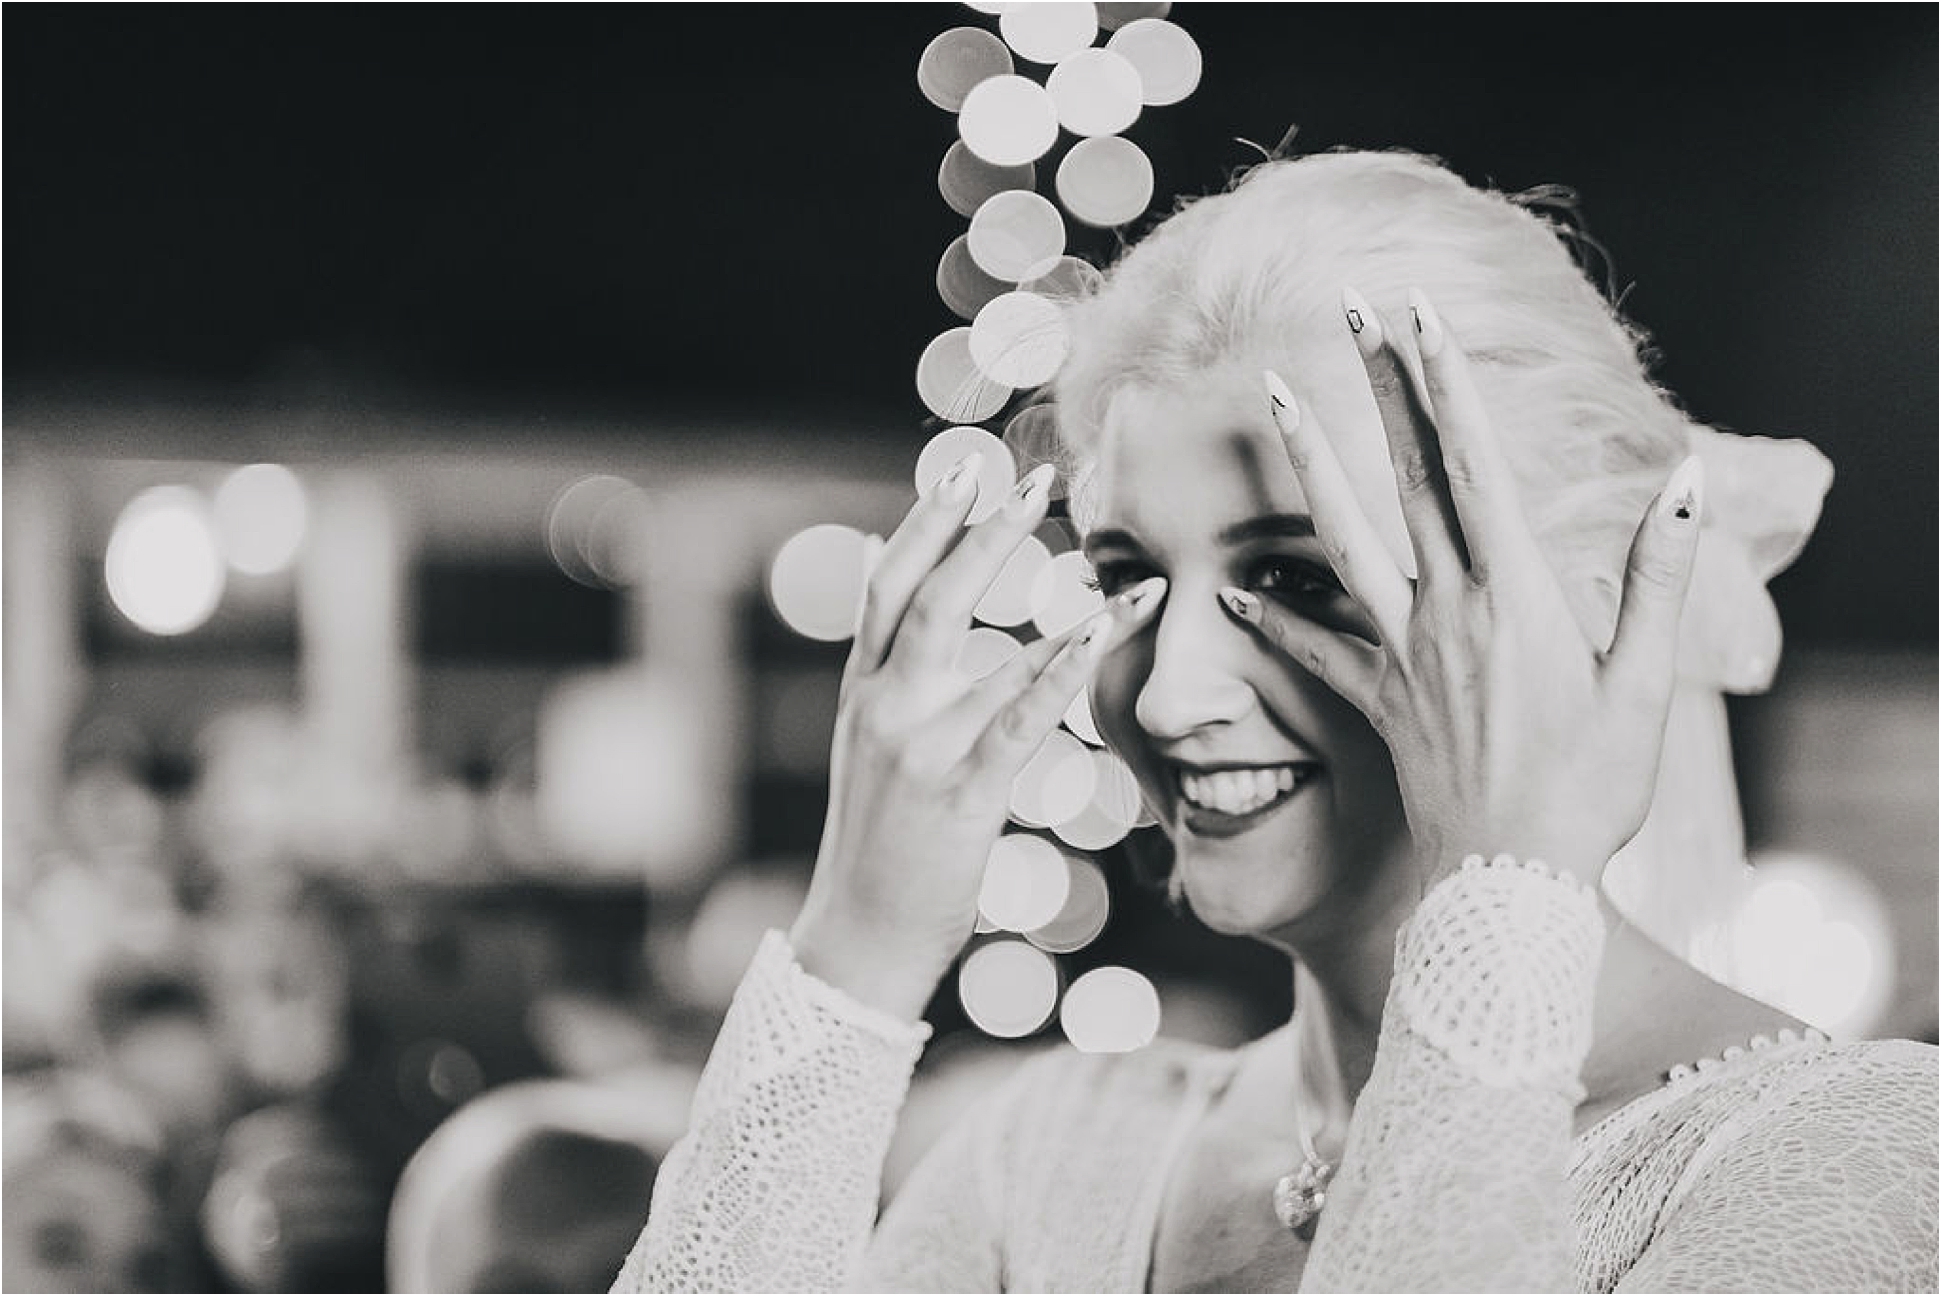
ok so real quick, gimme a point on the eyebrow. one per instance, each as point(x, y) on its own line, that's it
point(1266, 526)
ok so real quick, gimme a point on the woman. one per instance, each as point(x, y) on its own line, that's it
point(1394, 650)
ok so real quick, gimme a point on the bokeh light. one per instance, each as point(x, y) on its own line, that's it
point(956, 61)
point(1166, 56)
point(1110, 1010)
point(815, 582)
point(1032, 438)
point(574, 526)
point(967, 181)
point(1025, 884)
point(1078, 719)
point(260, 514)
point(1048, 30)
point(962, 283)
point(1055, 784)
point(983, 650)
point(1813, 937)
point(1095, 92)
point(1105, 182)
point(1088, 904)
point(1061, 597)
point(1069, 279)
point(996, 474)
point(1113, 16)
point(1008, 600)
point(1008, 988)
point(1017, 235)
point(164, 568)
point(1110, 812)
point(1008, 121)
point(1019, 339)
point(950, 383)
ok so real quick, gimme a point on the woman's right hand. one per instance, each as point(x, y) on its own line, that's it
point(924, 757)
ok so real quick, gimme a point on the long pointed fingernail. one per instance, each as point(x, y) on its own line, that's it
point(1684, 494)
point(1030, 489)
point(1362, 321)
point(1241, 604)
point(1428, 324)
point(1287, 411)
point(957, 484)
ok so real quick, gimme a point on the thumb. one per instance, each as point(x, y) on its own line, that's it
point(1656, 577)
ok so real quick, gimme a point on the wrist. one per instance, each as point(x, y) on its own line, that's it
point(862, 967)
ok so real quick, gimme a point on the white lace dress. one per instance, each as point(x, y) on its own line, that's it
point(1795, 1165)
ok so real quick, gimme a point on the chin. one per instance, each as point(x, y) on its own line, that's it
point(1250, 892)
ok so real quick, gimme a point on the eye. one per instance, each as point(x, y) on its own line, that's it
point(1292, 578)
point(1114, 574)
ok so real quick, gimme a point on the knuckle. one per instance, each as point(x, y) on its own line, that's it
point(1413, 471)
point(1462, 469)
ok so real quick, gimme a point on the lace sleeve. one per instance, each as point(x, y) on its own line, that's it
point(1829, 1185)
point(1454, 1174)
point(775, 1185)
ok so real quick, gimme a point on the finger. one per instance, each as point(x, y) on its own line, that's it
point(1015, 720)
point(1413, 448)
point(923, 537)
point(1344, 663)
point(1644, 651)
point(1354, 550)
point(1481, 489)
point(933, 624)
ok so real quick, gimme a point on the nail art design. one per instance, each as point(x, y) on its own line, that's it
point(1240, 603)
point(1032, 485)
point(962, 473)
point(1362, 321)
point(1428, 324)
point(1685, 492)
point(1287, 412)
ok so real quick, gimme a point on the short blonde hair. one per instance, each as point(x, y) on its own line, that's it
point(1229, 279)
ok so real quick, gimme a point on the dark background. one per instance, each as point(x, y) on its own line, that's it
point(730, 210)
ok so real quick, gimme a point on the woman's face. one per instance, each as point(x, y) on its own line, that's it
point(1278, 797)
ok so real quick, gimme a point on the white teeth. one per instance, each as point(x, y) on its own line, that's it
point(1238, 791)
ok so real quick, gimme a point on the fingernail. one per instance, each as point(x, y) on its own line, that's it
point(1362, 321)
point(1092, 639)
point(1029, 490)
point(1287, 411)
point(1684, 494)
point(1428, 324)
point(1241, 604)
point(956, 484)
point(1143, 595)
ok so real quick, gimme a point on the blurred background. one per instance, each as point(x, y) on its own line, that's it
point(437, 446)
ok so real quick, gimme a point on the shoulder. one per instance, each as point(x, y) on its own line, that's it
point(1063, 1097)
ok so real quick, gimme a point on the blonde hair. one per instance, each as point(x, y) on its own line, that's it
point(1230, 279)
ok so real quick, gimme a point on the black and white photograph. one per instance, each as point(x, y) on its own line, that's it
point(1039, 646)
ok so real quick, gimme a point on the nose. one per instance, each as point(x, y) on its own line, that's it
point(1193, 680)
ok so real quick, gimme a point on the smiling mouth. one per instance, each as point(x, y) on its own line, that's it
point(1223, 802)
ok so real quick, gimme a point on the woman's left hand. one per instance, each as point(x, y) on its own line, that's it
point(1510, 731)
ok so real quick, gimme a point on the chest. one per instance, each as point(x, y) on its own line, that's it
point(1216, 1229)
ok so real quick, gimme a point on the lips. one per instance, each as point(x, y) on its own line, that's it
point(1231, 799)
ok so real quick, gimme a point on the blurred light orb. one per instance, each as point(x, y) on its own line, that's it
point(1025, 883)
point(967, 181)
point(1088, 904)
point(1008, 600)
point(1115, 789)
point(1114, 16)
point(1110, 1010)
point(1056, 782)
point(996, 474)
point(983, 651)
point(1069, 278)
point(261, 514)
point(1008, 121)
point(1061, 597)
point(955, 61)
point(164, 568)
point(1096, 92)
point(815, 581)
point(1166, 56)
point(992, 7)
point(1105, 182)
point(950, 383)
point(1813, 937)
point(1017, 235)
point(1049, 30)
point(571, 524)
point(1020, 339)
point(1008, 988)
point(616, 539)
point(1078, 719)
point(962, 283)
point(1032, 438)
point(1091, 829)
